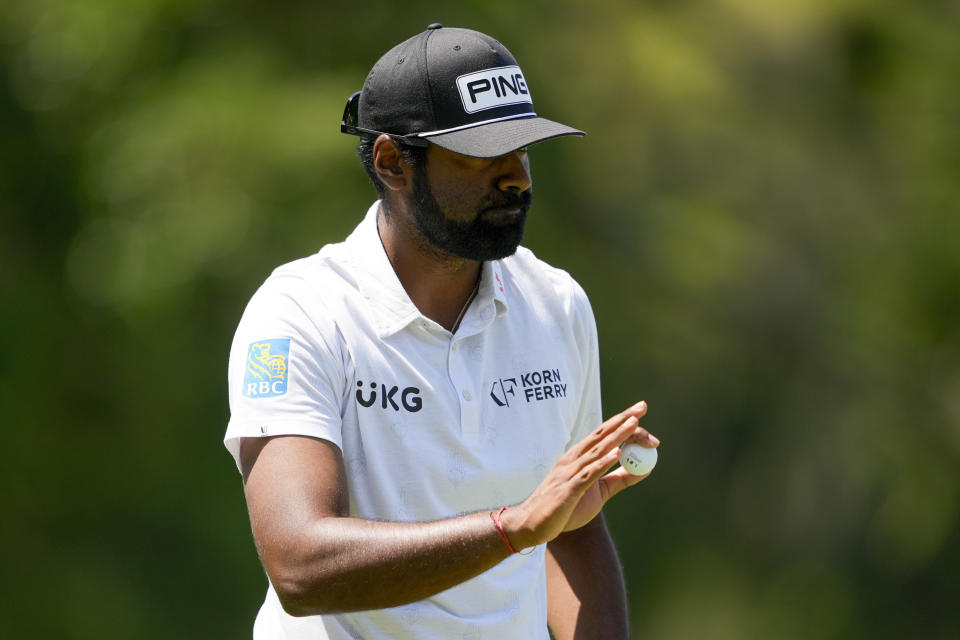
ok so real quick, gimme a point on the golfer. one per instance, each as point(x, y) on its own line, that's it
point(416, 411)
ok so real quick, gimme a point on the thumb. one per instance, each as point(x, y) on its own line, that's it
point(616, 481)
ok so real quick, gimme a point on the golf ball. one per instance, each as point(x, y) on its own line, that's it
point(638, 460)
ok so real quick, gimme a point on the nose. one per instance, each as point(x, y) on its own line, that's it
point(514, 172)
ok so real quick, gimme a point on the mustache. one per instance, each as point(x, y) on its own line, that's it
point(511, 200)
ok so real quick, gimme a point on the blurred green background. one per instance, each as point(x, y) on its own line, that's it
point(766, 216)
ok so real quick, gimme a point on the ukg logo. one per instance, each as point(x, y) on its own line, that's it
point(409, 397)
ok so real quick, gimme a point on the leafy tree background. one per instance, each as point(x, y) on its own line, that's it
point(766, 215)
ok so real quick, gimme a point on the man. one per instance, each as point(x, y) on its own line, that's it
point(416, 410)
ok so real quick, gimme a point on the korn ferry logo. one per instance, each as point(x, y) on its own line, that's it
point(492, 88)
point(533, 386)
point(266, 375)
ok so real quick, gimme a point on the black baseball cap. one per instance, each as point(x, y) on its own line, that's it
point(456, 88)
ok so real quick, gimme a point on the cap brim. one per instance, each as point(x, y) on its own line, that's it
point(500, 138)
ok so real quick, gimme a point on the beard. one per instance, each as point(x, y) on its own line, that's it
point(483, 238)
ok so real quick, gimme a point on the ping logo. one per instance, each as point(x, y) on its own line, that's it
point(492, 88)
point(266, 375)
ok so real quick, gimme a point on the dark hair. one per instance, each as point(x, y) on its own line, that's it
point(416, 156)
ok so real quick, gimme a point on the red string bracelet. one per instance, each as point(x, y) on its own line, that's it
point(503, 534)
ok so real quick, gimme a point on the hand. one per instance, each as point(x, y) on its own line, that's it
point(576, 488)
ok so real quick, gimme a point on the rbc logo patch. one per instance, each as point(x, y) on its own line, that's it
point(266, 375)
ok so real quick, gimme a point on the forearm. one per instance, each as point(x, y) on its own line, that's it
point(348, 564)
point(585, 590)
point(319, 560)
point(322, 561)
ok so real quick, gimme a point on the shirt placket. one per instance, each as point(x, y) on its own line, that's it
point(468, 395)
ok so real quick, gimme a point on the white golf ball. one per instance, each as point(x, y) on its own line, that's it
point(636, 459)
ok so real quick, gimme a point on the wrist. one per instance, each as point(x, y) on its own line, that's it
point(512, 525)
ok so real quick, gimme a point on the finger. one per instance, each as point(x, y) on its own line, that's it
point(644, 438)
point(629, 429)
point(578, 457)
point(609, 426)
point(611, 444)
point(594, 470)
point(637, 411)
point(606, 453)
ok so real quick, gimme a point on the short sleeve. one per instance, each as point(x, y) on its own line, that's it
point(286, 369)
point(584, 327)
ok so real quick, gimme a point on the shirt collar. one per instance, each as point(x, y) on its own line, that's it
point(491, 300)
point(393, 309)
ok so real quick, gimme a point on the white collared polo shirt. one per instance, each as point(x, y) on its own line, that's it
point(431, 425)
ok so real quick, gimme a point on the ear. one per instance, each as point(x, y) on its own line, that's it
point(389, 164)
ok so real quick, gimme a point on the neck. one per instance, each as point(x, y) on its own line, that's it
point(439, 284)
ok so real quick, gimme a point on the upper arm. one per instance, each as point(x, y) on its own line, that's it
point(287, 373)
point(290, 483)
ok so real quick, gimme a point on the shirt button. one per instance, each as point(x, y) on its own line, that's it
point(467, 396)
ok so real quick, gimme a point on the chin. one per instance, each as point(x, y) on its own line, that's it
point(498, 250)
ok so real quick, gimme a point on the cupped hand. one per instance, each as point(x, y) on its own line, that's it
point(576, 488)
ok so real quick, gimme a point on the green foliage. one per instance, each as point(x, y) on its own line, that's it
point(765, 215)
